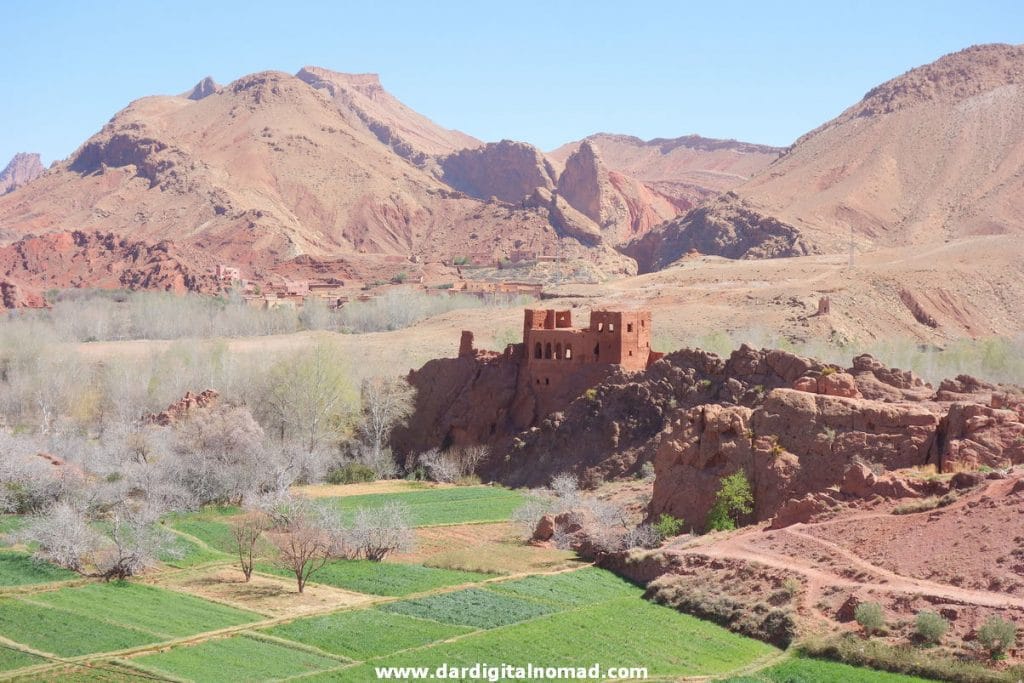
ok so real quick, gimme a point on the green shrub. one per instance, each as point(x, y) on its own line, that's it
point(733, 500)
point(997, 635)
point(930, 627)
point(460, 260)
point(399, 278)
point(870, 617)
point(668, 526)
point(351, 473)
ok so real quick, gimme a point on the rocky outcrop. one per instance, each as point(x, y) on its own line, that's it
point(22, 169)
point(79, 259)
point(183, 407)
point(978, 435)
point(564, 218)
point(727, 227)
point(507, 170)
point(203, 89)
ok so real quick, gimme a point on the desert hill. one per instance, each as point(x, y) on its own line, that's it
point(931, 156)
point(273, 167)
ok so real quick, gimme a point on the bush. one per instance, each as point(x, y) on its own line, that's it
point(351, 473)
point(870, 616)
point(733, 500)
point(930, 627)
point(997, 635)
point(668, 526)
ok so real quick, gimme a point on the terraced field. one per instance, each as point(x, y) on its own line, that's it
point(356, 615)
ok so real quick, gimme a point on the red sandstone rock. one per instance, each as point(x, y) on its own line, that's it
point(808, 384)
point(838, 384)
point(809, 508)
point(545, 528)
point(858, 481)
point(181, 408)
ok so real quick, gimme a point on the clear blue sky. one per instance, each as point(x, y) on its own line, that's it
point(542, 72)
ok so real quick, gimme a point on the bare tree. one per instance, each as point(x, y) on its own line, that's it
point(306, 537)
point(137, 541)
point(247, 531)
point(63, 536)
point(377, 532)
point(454, 464)
point(386, 403)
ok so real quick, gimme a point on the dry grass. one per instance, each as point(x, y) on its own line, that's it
point(267, 595)
point(362, 489)
point(488, 548)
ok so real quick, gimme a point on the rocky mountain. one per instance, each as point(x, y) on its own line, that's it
point(22, 168)
point(931, 156)
point(273, 167)
point(689, 169)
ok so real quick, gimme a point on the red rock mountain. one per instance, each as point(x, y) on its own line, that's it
point(22, 169)
point(931, 156)
point(274, 167)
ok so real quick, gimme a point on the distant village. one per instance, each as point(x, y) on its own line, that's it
point(279, 291)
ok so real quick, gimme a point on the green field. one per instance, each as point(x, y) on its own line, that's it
point(63, 633)
point(240, 658)
point(799, 669)
point(430, 507)
point(8, 525)
point(164, 613)
point(367, 633)
point(622, 632)
point(11, 659)
point(215, 533)
point(383, 578)
point(581, 587)
point(472, 607)
point(19, 569)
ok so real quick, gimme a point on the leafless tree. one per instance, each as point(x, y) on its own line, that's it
point(137, 541)
point(247, 531)
point(454, 464)
point(62, 535)
point(378, 532)
point(386, 403)
point(305, 537)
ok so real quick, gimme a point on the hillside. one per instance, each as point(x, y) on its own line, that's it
point(930, 156)
point(273, 167)
point(22, 169)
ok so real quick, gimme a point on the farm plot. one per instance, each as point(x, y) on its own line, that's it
point(459, 505)
point(19, 569)
point(383, 578)
point(215, 533)
point(583, 587)
point(367, 633)
point(11, 658)
point(161, 612)
point(472, 607)
point(806, 669)
point(621, 632)
point(239, 658)
point(495, 548)
point(63, 633)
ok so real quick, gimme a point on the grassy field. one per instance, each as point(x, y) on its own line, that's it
point(429, 507)
point(621, 632)
point(476, 607)
point(155, 610)
point(383, 578)
point(63, 633)
point(19, 569)
point(360, 634)
point(582, 587)
point(11, 659)
point(798, 669)
point(239, 658)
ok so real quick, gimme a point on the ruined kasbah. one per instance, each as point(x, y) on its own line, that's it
point(557, 362)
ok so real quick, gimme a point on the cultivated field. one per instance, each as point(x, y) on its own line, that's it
point(196, 619)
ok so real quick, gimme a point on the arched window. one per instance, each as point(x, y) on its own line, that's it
point(600, 327)
point(538, 352)
point(611, 327)
point(558, 351)
point(547, 350)
point(568, 351)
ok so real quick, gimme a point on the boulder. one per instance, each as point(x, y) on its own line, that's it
point(858, 481)
point(545, 528)
point(838, 384)
point(809, 508)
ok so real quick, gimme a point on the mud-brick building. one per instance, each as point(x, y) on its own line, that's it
point(553, 348)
